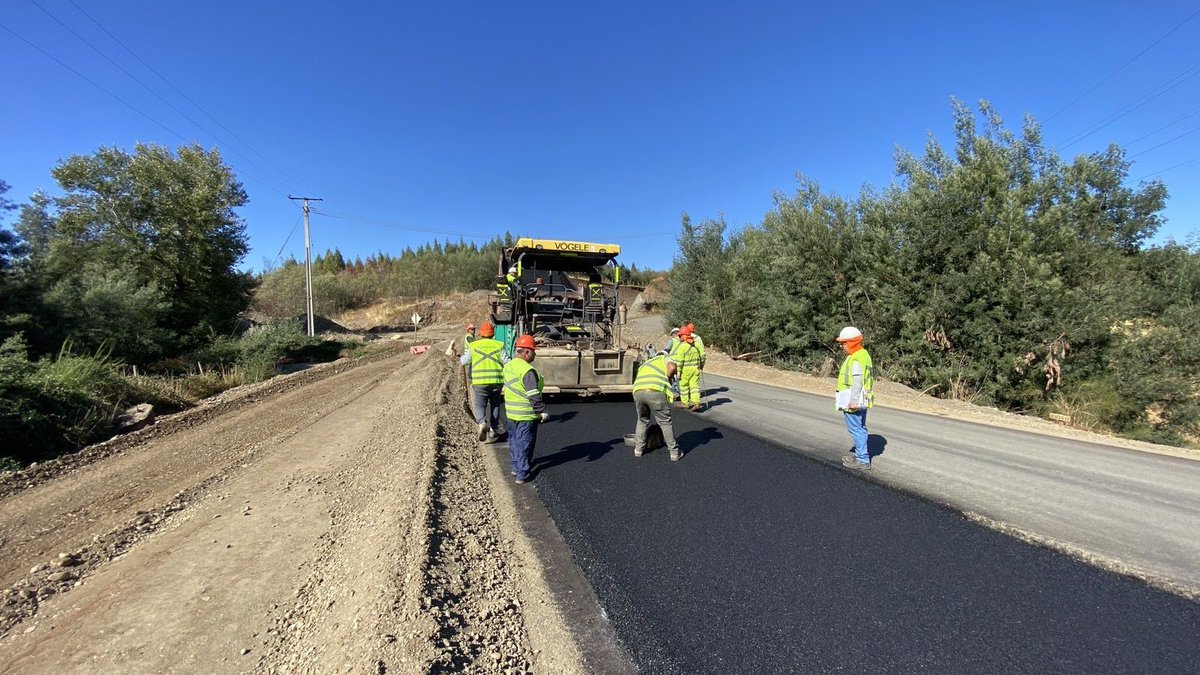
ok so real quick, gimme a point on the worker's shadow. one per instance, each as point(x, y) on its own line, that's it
point(876, 444)
point(713, 390)
point(556, 418)
point(717, 401)
point(588, 452)
point(691, 440)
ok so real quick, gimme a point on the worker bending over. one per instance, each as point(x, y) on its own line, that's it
point(652, 400)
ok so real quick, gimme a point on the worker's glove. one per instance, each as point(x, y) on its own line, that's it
point(545, 417)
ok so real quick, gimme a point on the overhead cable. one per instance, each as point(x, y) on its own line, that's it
point(1120, 67)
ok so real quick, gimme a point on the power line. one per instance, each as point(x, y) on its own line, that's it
point(1137, 103)
point(87, 79)
point(289, 238)
point(1165, 126)
point(1119, 68)
point(147, 87)
point(187, 98)
point(1169, 168)
point(1167, 142)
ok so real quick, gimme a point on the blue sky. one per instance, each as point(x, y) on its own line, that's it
point(594, 121)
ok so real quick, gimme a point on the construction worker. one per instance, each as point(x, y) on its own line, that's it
point(855, 395)
point(506, 288)
point(669, 349)
point(687, 356)
point(484, 359)
point(523, 405)
point(652, 400)
point(699, 343)
point(469, 336)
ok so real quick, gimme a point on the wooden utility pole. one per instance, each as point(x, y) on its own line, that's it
point(308, 303)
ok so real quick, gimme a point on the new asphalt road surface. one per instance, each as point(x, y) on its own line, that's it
point(1138, 510)
point(751, 557)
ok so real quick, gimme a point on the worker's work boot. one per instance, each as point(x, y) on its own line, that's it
point(675, 455)
point(638, 452)
point(852, 462)
point(695, 407)
point(483, 429)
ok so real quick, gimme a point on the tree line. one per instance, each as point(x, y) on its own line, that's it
point(994, 271)
point(430, 270)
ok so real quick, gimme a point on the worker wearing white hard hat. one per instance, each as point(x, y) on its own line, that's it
point(855, 394)
point(670, 348)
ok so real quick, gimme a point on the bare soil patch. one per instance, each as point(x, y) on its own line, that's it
point(343, 525)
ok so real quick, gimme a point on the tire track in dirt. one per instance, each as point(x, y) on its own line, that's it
point(100, 511)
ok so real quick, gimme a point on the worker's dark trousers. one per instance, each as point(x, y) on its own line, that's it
point(488, 402)
point(521, 438)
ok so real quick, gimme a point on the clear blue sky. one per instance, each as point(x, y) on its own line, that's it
point(596, 121)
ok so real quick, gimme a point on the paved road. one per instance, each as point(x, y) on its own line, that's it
point(750, 557)
point(1134, 507)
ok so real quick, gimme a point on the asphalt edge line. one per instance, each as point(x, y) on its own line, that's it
point(1106, 441)
point(571, 611)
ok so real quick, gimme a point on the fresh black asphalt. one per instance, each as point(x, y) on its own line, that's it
point(746, 557)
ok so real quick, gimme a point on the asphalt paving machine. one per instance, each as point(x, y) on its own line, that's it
point(559, 295)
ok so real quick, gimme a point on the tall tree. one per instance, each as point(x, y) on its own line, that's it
point(167, 218)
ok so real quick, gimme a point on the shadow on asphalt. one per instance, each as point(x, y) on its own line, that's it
point(690, 440)
point(876, 444)
point(716, 402)
point(556, 418)
point(713, 390)
point(588, 452)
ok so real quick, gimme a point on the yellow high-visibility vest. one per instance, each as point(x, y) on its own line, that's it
point(846, 375)
point(652, 375)
point(516, 399)
point(486, 365)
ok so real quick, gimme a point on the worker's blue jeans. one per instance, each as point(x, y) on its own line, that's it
point(856, 424)
point(521, 438)
point(488, 395)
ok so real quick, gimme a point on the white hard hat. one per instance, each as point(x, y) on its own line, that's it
point(512, 270)
point(674, 331)
point(849, 333)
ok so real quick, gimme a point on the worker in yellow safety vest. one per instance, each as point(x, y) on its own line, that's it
point(652, 400)
point(506, 289)
point(855, 395)
point(524, 407)
point(484, 359)
point(699, 341)
point(469, 336)
point(688, 357)
point(670, 349)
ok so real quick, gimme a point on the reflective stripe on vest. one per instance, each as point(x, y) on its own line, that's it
point(652, 375)
point(686, 354)
point(846, 375)
point(516, 399)
point(486, 366)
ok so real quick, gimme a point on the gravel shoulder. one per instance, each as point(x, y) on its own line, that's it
point(337, 523)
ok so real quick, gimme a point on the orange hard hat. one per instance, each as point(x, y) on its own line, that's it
point(486, 330)
point(691, 327)
point(526, 342)
point(685, 331)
